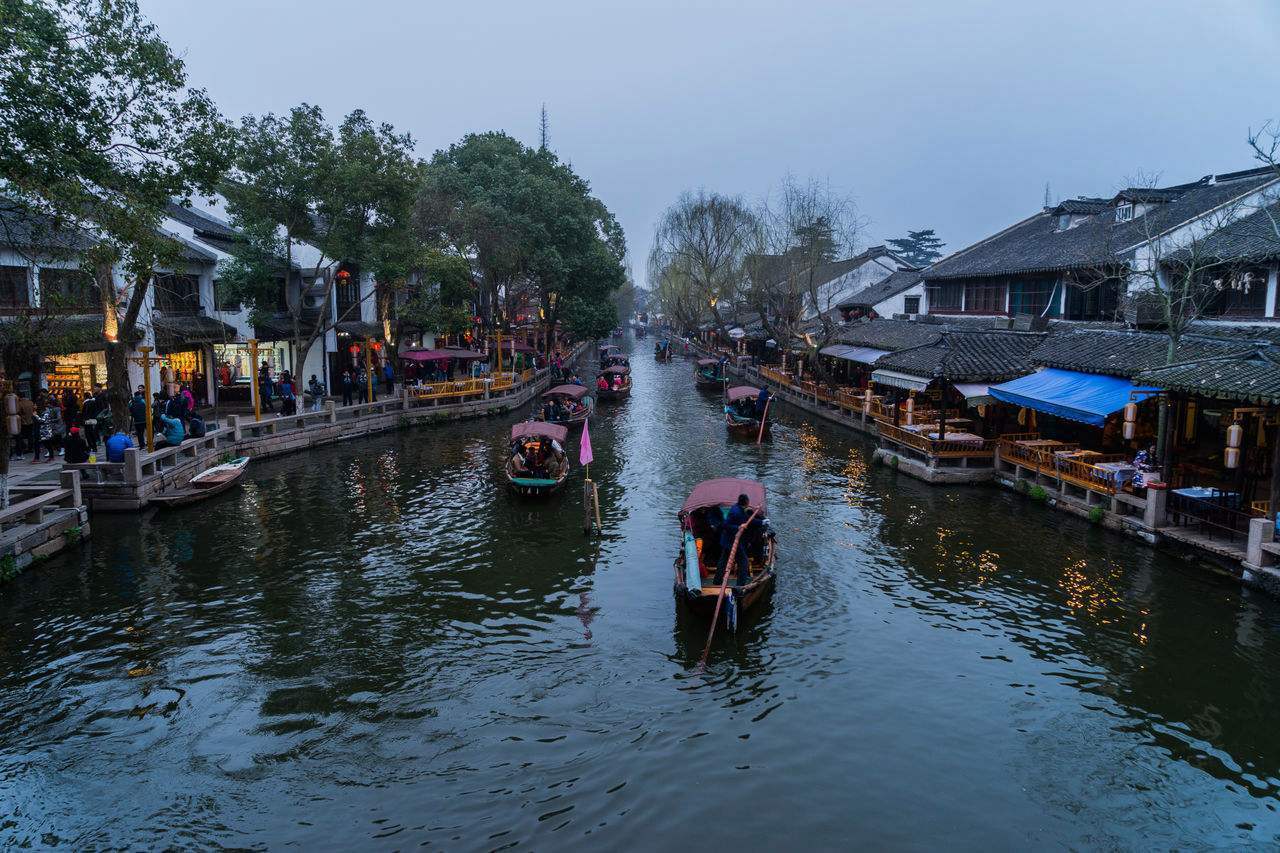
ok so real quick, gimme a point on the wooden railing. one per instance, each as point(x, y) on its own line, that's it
point(937, 448)
point(1049, 461)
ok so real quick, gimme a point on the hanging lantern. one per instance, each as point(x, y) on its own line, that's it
point(866, 401)
point(1235, 434)
point(377, 346)
point(1130, 420)
point(911, 409)
point(343, 275)
point(353, 349)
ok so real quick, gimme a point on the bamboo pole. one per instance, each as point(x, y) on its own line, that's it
point(724, 585)
point(764, 418)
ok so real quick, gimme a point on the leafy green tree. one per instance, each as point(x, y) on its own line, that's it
point(918, 248)
point(532, 229)
point(441, 300)
point(98, 132)
point(299, 190)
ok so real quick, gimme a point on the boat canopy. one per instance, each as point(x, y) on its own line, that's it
point(539, 429)
point(1085, 397)
point(441, 355)
point(606, 349)
point(617, 368)
point(707, 362)
point(724, 492)
point(741, 392)
point(576, 392)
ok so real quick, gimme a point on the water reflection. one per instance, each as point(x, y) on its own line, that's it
point(375, 645)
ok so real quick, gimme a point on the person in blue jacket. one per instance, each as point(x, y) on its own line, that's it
point(172, 429)
point(737, 517)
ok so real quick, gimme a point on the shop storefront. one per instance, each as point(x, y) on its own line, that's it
point(234, 367)
point(78, 371)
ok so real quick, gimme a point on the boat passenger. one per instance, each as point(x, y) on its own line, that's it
point(602, 384)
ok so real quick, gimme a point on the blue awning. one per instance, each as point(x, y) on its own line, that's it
point(1085, 397)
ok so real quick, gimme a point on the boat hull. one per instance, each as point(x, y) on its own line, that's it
point(749, 428)
point(203, 489)
point(614, 395)
point(527, 487)
point(702, 602)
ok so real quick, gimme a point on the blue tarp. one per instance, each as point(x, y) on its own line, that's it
point(1085, 397)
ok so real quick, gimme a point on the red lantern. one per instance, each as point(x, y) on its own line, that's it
point(377, 346)
point(343, 275)
point(353, 349)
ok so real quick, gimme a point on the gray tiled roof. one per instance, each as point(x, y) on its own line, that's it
point(1253, 377)
point(969, 356)
point(1122, 353)
point(888, 335)
point(1036, 245)
point(1251, 238)
point(203, 223)
point(887, 288)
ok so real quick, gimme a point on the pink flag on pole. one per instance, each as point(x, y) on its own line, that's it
point(584, 450)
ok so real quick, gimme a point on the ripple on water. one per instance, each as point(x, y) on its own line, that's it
point(375, 645)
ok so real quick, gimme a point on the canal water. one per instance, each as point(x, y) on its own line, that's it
point(375, 646)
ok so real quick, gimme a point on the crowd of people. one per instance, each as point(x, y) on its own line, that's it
point(72, 427)
point(542, 458)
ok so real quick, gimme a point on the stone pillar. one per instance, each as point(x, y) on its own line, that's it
point(330, 412)
point(488, 385)
point(1155, 516)
point(404, 395)
point(132, 465)
point(237, 431)
point(1261, 531)
point(71, 480)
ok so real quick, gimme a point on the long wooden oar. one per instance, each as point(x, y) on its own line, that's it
point(764, 417)
point(724, 585)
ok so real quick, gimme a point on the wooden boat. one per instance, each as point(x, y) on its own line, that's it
point(662, 351)
point(547, 468)
point(707, 373)
point(740, 411)
point(611, 393)
point(571, 399)
point(204, 485)
point(695, 565)
point(641, 331)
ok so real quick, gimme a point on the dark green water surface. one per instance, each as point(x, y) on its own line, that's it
point(373, 646)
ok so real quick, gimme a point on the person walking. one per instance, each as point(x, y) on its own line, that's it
point(264, 387)
point(348, 386)
point(28, 432)
point(288, 398)
point(50, 425)
point(389, 376)
point(89, 412)
point(315, 389)
point(138, 411)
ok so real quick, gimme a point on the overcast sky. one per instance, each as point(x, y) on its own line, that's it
point(945, 115)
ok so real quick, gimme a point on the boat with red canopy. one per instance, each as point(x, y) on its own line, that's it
point(707, 373)
point(701, 519)
point(618, 380)
point(740, 413)
point(537, 464)
point(565, 404)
